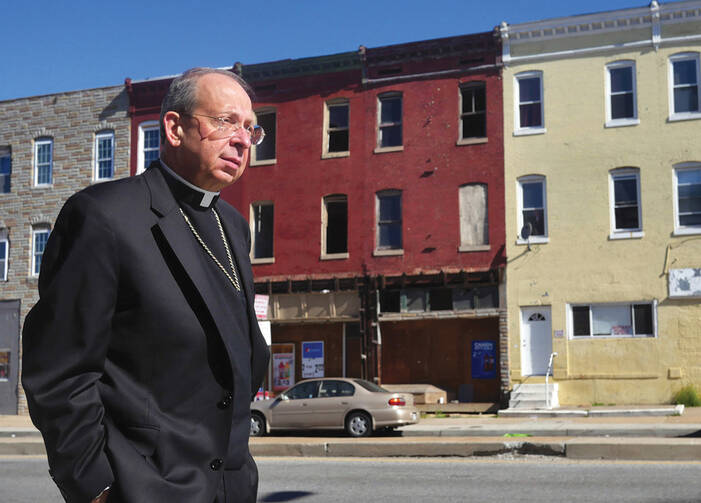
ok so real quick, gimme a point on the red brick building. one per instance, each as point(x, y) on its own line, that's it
point(376, 210)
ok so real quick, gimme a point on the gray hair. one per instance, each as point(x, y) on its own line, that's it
point(182, 93)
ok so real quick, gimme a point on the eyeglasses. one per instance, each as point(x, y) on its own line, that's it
point(225, 128)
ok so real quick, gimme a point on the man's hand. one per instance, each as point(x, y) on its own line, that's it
point(102, 498)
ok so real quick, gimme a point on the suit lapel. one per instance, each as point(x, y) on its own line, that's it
point(187, 250)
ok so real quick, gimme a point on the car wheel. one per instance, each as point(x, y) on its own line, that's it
point(257, 425)
point(358, 424)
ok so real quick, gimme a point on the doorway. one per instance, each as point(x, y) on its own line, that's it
point(536, 340)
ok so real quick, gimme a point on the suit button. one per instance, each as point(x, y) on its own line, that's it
point(216, 464)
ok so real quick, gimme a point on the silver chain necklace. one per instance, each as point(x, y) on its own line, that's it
point(232, 277)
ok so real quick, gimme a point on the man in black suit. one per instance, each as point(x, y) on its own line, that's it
point(143, 353)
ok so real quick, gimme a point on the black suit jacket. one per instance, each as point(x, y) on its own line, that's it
point(128, 358)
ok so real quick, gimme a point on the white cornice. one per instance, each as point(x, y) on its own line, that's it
point(650, 18)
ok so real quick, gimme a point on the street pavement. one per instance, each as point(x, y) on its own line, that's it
point(647, 433)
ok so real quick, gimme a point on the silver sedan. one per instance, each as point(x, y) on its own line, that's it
point(333, 403)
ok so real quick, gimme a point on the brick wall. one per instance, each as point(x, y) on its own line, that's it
point(72, 120)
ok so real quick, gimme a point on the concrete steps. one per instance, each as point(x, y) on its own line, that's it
point(533, 396)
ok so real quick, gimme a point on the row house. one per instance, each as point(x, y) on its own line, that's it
point(50, 147)
point(376, 212)
point(603, 204)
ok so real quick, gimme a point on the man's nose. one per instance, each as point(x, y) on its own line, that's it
point(241, 137)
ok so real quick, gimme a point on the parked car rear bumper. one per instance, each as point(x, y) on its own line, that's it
point(395, 416)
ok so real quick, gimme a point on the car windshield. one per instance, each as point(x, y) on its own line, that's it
point(370, 386)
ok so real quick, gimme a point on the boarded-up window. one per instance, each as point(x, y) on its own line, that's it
point(474, 226)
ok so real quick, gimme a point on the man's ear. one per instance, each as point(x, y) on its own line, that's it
point(173, 128)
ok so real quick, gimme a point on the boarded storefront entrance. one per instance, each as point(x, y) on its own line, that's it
point(460, 356)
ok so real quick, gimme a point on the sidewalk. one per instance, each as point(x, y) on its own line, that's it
point(625, 433)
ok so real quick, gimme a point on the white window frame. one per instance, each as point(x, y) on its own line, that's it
point(6, 258)
point(466, 86)
point(626, 121)
point(624, 233)
point(102, 135)
point(324, 221)
point(519, 199)
point(252, 219)
point(388, 251)
point(380, 124)
point(268, 135)
point(41, 229)
point(683, 56)
point(528, 130)
point(325, 154)
point(143, 127)
point(37, 143)
point(680, 230)
point(590, 337)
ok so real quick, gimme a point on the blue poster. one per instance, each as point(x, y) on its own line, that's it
point(484, 360)
point(312, 359)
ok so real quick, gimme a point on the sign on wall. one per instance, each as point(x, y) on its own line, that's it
point(283, 371)
point(685, 283)
point(484, 360)
point(313, 359)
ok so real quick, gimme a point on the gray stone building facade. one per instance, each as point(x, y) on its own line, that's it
point(50, 147)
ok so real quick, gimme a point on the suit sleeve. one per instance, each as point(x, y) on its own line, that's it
point(65, 340)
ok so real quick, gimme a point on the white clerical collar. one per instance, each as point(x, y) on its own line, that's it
point(207, 196)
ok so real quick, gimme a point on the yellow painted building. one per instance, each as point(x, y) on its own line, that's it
point(603, 203)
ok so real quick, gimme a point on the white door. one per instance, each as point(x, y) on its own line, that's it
point(536, 340)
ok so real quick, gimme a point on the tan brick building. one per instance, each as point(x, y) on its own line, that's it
point(50, 147)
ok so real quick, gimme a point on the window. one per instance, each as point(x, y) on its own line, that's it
point(336, 139)
point(5, 169)
point(438, 299)
point(687, 181)
point(335, 227)
point(149, 144)
point(389, 220)
point(473, 111)
point(331, 389)
point(621, 103)
point(303, 390)
point(39, 238)
point(532, 213)
point(529, 103)
point(389, 118)
point(613, 320)
point(4, 255)
point(43, 161)
point(265, 152)
point(262, 219)
point(625, 204)
point(474, 225)
point(104, 155)
point(684, 86)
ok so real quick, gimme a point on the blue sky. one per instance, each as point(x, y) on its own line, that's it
point(50, 46)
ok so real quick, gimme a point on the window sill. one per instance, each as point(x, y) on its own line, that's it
point(387, 253)
point(334, 256)
point(689, 116)
point(265, 260)
point(335, 155)
point(101, 180)
point(472, 141)
point(530, 131)
point(265, 162)
point(626, 235)
point(43, 186)
point(534, 240)
point(685, 231)
point(384, 150)
point(474, 248)
point(621, 122)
